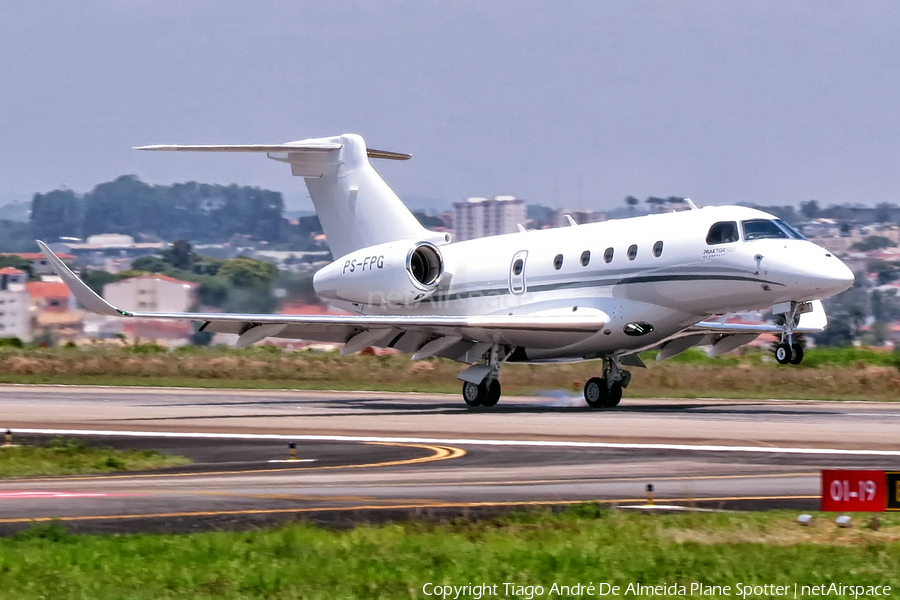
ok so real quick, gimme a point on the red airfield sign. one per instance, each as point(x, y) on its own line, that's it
point(854, 491)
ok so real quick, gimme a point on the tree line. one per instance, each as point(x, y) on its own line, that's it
point(196, 211)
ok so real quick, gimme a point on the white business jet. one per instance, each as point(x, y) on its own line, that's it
point(602, 291)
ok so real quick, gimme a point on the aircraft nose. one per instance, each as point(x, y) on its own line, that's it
point(834, 276)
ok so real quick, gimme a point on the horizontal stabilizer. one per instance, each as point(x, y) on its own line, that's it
point(302, 147)
point(294, 147)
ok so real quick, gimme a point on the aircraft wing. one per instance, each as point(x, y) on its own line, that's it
point(463, 338)
point(723, 337)
point(810, 322)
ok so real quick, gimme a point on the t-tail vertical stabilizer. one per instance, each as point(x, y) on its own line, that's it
point(354, 204)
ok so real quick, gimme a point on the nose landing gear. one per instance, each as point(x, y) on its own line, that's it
point(787, 352)
point(606, 391)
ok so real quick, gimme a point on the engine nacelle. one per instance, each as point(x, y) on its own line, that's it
point(395, 273)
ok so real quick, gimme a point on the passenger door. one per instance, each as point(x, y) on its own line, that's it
point(517, 273)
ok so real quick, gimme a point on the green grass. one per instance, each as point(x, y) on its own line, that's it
point(826, 373)
point(814, 357)
point(67, 456)
point(583, 545)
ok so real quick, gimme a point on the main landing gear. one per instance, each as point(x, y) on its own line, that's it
point(481, 394)
point(480, 384)
point(606, 391)
point(787, 352)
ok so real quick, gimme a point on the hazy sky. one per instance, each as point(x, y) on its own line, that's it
point(564, 103)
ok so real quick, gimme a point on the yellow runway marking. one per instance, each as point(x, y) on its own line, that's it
point(440, 453)
point(217, 513)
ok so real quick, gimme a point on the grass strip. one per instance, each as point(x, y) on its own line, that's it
point(840, 374)
point(68, 456)
point(583, 545)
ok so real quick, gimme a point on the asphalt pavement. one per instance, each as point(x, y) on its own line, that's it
point(365, 456)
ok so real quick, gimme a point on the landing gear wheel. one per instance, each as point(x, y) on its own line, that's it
point(783, 354)
point(474, 394)
point(796, 354)
point(596, 392)
point(615, 396)
point(493, 394)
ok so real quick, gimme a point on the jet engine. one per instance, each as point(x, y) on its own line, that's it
point(393, 273)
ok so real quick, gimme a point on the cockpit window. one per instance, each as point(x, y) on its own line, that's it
point(760, 229)
point(724, 232)
point(791, 231)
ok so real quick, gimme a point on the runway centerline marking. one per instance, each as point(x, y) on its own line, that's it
point(468, 442)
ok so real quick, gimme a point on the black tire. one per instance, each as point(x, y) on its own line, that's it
point(596, 392)
point(493, 394)
point(796, 354)
point(783, 354)
point(474, 394)
point(614, 396)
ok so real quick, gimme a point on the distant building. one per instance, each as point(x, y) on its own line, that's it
point(580, 215)
point(156, 292)
point(15, 318)
point(99, 248)
point(820, 228)
point(53, 312)
point(153, 293)
point(481, 217)
point(11, 275)
point(50, 296)
point(39, 262)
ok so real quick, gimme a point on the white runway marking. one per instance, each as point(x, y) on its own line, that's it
point(467, 442)
point(18, 495)
point(292, 460)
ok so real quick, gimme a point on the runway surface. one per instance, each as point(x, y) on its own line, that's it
point(372, 456)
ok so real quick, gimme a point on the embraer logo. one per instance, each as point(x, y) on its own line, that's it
point(716, 252)
point(369, 262)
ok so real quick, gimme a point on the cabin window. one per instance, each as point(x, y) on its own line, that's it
point(585, 258)
point(557, 262)
point(517, 266)
point(724, 232)
point(632, 251)
point(657, 249)
point(608, 255)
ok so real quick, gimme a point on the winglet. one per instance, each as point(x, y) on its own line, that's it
point(88, 298)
